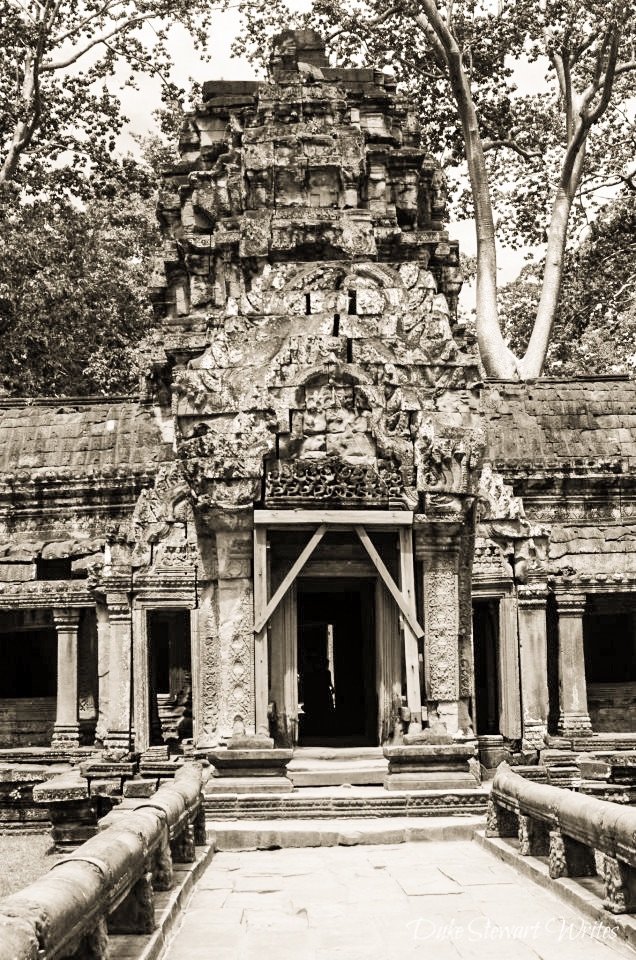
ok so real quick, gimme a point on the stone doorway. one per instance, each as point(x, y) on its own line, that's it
point(28, 679)
point(170, 673)
point(336, 662)
point(609, 638)
point(486, 658)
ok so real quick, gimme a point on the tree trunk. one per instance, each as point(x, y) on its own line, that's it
point(532, 363)
point(24, 129)
point(497, 359)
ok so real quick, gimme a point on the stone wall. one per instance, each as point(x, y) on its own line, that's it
point(612, 707)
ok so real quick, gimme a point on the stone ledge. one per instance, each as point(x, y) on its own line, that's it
point(66, 786)
point(567, 889)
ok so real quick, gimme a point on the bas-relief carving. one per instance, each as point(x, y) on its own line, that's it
point(502, 520)
point(464, 588)
point(332, 482)
point(440, 590)
point(233, 647)
point(209, 667)
point(236, 654)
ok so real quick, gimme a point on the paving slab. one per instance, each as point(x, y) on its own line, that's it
point(448, 900)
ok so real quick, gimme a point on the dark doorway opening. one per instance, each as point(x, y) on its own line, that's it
point(610, 650)
point(336, 663)
point(486, 655)
point(28, 682)
point(170, 675)
point(609, 636)
point(29, 664)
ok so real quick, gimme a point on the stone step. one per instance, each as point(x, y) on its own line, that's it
point(274, 834)
point(306, 771)
point(306, 754)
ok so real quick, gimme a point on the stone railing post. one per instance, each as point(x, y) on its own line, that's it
point(620, 885)
point(569, 857)
point(118, 740)
point(533, 652)
point(66, 729)
point(439, 552)
point(500, 822)
point(534, 840)
point(573, 716)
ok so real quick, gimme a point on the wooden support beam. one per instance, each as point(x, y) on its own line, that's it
point(411, 650)
point(337, 518)
point(261, 665)
point(407, 610)
point(262, 616)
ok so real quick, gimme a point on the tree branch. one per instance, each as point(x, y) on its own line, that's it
point(374, 22)
point(51, 66)
point(523, 152)
point(624, 67)
point(608, 81)
point(108, 7)
point(495, 354)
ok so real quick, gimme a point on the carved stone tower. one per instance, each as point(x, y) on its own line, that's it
point(325, 403)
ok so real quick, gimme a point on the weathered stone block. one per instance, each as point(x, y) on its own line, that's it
point(140, 788)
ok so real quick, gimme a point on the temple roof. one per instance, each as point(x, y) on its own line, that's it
point(531, 425)
point(552, 422)
point(80, 437)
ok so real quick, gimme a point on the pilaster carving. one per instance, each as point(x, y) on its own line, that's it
point(234, 646)
point(438, 549)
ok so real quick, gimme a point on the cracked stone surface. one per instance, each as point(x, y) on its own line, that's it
point(452, 901)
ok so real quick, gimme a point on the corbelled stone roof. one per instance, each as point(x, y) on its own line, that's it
point(544, 423)
point(79, 437)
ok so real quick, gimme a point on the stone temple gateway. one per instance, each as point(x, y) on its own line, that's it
point(317, 526)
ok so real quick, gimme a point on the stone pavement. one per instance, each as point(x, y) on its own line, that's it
point(443, 900)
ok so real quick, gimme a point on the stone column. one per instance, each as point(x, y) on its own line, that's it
point(103, 666)
point(509, 696)
point(439, 555)
point(118, 740)
point(533, 649)
point(66, 729)
point(573, 716)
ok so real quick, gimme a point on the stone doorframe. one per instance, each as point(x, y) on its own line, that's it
point(141, 675)
point(318, 522)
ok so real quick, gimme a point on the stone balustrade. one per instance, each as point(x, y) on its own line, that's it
point(580, 835)
point(106, 885)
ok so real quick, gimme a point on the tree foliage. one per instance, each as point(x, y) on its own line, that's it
point(537, 161)
point(595, 326)
point(73, 295)
point(62, 68)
